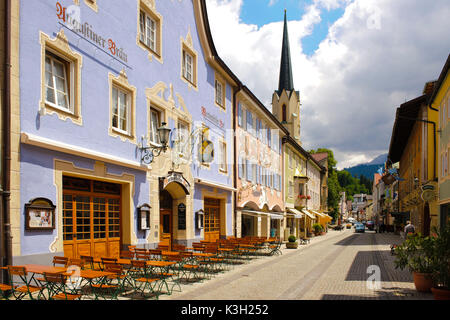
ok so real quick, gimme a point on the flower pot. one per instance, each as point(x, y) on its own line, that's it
point(441, 293)
point(423, 281)
point(291, 245)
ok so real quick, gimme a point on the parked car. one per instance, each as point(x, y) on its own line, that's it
point(359, 227)
point(370, 225)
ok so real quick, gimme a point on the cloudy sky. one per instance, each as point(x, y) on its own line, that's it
point(354, 62)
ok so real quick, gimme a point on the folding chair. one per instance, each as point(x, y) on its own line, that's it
point(89, 262)
point(57, 288)
point(22, 287)
point(143, 282)
point(6, 290)
point(155, 254)
point(113, 284)
point(62, 261)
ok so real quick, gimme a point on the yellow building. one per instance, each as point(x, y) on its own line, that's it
point(440, 106)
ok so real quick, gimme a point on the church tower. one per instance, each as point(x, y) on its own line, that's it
point(285, 100)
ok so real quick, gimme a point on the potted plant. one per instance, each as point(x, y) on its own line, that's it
point(317, 229)
point(441, 264)
point(416, 253)
point(292, 242)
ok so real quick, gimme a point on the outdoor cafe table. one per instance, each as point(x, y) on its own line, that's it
point(93, 277)
point(41, 269)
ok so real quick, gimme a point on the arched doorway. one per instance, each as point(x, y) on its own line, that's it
point(172, 198)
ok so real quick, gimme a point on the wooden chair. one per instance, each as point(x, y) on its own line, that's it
point(76, 262)
point(127, 255)
point(143, 282)
point(113, 284)
point(22, 287)
point(89, 262)
point(57, 288)
point(155, 254)
point(62, 261)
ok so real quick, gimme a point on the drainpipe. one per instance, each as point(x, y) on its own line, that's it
point(236, 158)
point(6, 243)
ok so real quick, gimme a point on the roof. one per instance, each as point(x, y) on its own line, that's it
point(403, 125)
point(286, 81)
point(289, 139)
point(440, 80)
point(320, 156)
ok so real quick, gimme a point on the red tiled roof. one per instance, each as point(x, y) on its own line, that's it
point(319, 156)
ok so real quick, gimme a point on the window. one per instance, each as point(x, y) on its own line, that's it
point(155, 123)
point(241, 168)
point(182, 137)
point(122, 105)
point(60, 79)
point(188, 66)
point(291, 189)
point(149, 35)
point(284, 113)
point(147, 30)
point(223, 156)
point(121, 110)
point(240, 115)
point(220, 93)
point(56, 82)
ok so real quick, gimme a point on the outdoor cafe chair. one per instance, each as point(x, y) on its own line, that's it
point(143, 282)
point(62, 261)
point(57, 288)
point(76, 262)
point(127, 255)
point(21, 285)
point(113, 284)
point(155, 254)
point(6, 290)
point(89, 262)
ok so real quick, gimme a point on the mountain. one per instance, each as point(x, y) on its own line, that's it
point(368, 169)
point(381, 159)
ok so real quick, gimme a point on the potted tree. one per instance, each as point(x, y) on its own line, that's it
point(441, 264)
point(416, 253)
point(317, 229)
point(292, 242)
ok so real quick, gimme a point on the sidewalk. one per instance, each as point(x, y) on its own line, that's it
point(331, 267)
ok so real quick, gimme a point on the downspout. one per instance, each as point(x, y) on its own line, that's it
point(6, 245)
point(236, 161)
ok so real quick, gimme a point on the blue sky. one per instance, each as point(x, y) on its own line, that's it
point(261, 12)
point(376, 56)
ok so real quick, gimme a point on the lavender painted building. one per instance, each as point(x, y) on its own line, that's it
point(95, 82)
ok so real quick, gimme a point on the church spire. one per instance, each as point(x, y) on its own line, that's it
point(285, 81)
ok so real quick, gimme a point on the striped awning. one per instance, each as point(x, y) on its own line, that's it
point(295, 213)
point(309, 214)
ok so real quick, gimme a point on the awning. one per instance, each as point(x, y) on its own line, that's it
point(294, 212)
point(309, 214)
point(253, 213)
point(276, 216)
point(322, 215)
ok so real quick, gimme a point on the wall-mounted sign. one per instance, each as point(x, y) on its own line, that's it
point(212, 119)
point(40, 214)
point(181, 216)
point(144, 217)
point(71, 19)
point(206, 151)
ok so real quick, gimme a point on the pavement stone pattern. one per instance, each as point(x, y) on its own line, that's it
point(331, 267)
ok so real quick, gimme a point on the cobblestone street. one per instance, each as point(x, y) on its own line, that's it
point(331, 267)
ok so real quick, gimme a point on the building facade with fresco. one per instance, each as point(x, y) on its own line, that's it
point(93, 96)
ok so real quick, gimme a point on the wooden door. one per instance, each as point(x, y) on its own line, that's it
point(91, 221)
point(166, 227)
point(212, 220)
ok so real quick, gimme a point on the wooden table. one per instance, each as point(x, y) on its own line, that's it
point(41, 269)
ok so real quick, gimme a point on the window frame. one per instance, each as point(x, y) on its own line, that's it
point(149, 10)
point(127, 94)
point(67, 83)
point(159, 115)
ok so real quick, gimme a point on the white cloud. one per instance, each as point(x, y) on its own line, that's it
point(377, 55)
